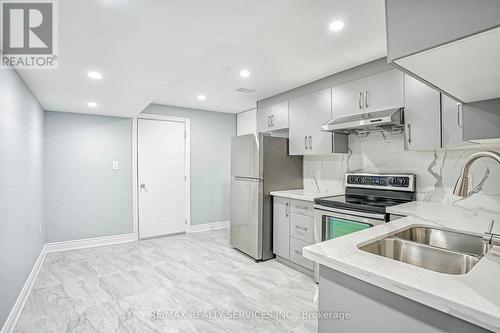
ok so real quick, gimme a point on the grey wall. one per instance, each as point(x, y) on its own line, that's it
point(21, 172)
point(85, 198)
point(211, 134)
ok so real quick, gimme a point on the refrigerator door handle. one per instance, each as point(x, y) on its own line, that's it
point(248, 179)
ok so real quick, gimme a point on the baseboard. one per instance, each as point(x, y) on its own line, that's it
point(15, 312)
point(294, 266)
point(89, 242)
point(207, 226)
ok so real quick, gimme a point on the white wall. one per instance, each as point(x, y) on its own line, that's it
point(246, 122)
point(21, 199)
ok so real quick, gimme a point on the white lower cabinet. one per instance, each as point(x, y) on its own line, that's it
point(296, 256)
point(292, 229)
point(281, 227)
point(301, 227)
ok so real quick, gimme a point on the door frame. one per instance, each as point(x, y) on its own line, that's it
point(135, 165)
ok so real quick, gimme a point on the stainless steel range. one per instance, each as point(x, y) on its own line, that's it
point(363, 206)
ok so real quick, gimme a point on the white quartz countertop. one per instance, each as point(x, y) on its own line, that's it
point(301, 194)
point(474, 297)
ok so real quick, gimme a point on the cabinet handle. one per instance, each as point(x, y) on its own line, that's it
point(359, 100)
point(272, 120)
point(268, 121)
point(409, 133)
point(459, 109)
point(310, 142)
point(301, 228)
point(286, 209)
point(298, 252)
point(305, 142)
point(366, 98)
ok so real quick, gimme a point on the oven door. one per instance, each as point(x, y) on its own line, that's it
point(331, 223)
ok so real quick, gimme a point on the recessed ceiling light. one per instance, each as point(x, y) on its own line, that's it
point(92, 104)
point(336, 25)
point(244, 73)
point(95, 75)
point(201, 97)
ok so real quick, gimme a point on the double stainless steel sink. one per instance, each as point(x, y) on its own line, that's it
point(439, 250)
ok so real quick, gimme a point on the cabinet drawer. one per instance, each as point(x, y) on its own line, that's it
point(296, 253)
point(301, 207)
point(301, 227)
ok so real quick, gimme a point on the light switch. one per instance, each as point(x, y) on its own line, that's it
point(115, 165)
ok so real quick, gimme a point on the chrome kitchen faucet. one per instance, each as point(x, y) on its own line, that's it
point(462, 186)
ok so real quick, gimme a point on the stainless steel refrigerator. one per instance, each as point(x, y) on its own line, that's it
point(259, 164)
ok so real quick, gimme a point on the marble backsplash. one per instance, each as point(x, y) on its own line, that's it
point(437, 171)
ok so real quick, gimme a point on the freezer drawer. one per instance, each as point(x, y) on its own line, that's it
point(245, 228)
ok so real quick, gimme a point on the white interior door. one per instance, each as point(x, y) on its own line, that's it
point(162, 177)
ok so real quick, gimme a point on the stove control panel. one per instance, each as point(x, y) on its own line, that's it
point(397, 182)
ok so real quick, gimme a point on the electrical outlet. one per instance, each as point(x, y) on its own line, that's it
point(115, 165)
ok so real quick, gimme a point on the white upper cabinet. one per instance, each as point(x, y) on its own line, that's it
point(298, 133)
point(307, 114)
point(373, 93)
point(263, 119)
point(320, 104)
point(384, 91)
point(273, 118)
point(422, 116)
point(279, 116)
point(347, 99)
point(246, 122)
point(452, 123)
point(432, 120)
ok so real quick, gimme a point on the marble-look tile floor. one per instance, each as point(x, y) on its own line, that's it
point(184, 283)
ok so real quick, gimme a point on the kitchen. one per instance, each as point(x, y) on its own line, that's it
point(359, 192)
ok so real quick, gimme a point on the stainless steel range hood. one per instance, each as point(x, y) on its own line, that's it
point(385, 120)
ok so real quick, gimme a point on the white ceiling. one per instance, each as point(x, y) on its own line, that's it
point(170, 51)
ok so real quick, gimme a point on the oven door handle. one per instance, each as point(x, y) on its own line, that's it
point(350, 213)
